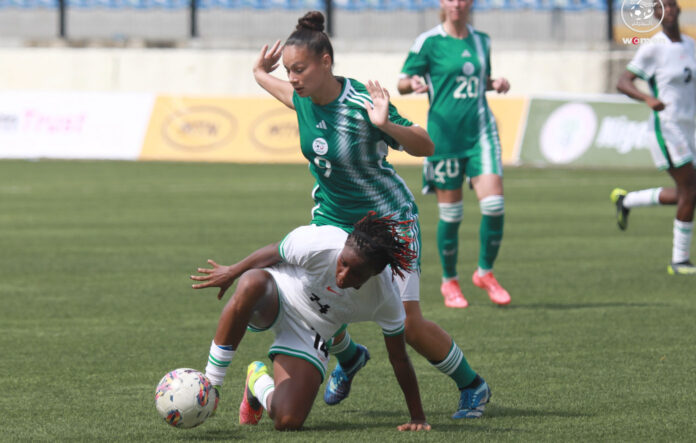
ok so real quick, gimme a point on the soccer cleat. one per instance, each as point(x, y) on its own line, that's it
point(472, 401)
point(617, 197)
point(682, 268)
point(216, 391)
point(496, 293)
point(250, 410)
point(453, 294)
point(338, 385)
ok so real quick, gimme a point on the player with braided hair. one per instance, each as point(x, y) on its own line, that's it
point(378, 239)
point(306, 288)
point(345, 130)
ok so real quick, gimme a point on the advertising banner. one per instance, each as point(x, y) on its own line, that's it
point(262, 130)
point(587, 131)
point(73, 124)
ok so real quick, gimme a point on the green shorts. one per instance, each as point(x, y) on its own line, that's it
point(450, 173)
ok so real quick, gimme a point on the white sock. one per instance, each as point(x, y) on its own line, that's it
point(681, 245)
point(263, 388)
point(482, 272)
point(644, 197)
point(219, 360)
point(445, 280)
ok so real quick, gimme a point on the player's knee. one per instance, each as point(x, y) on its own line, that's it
point(412, 327)
point(254, 281)
point(287, 422)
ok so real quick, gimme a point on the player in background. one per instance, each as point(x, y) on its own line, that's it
point(304, 289)
point(668, 64)
point(451, 62)
point(345, 131)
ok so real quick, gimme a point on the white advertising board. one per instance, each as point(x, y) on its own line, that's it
point(73, 125)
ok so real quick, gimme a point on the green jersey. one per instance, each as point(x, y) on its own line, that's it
point(347, 157)
point(456, 72)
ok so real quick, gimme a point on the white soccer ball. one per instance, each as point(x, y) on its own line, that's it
point(185, 398)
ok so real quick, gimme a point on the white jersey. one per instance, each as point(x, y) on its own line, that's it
point(306, 282)
point(669, 67)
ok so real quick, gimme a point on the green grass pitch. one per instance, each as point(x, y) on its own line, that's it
point(597, 345)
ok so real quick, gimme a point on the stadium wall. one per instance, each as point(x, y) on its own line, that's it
point(228, 72)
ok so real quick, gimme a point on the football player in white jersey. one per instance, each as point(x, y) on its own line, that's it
point(668, 64)
point(345, 129)
point(306, 288)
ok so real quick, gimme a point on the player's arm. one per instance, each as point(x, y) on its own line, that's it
point(414, 139)
point(223, 277)
point(266, 63)
point(626, 85)
point(406, 376)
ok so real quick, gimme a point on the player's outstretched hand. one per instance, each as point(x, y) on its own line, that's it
point(414, 425)
point(378, 110)
point(217, 277)
point(268, 58)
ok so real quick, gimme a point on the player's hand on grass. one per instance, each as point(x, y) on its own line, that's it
point(268, 58)
point(414, 425)
point(378, 110)
point(218, 277)
point(655, 104)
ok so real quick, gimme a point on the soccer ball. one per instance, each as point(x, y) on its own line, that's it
point(185, 398)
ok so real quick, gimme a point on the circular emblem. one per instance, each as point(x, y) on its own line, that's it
point(199, 128)
point(320, 146)
point(568, 133)
point(639, 15)
point(468, 68)
point(276, 131)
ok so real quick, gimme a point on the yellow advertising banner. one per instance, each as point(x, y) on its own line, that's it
point(261, 130)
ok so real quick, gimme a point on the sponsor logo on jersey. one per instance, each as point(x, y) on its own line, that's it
point(321, 125)
point(320, 146)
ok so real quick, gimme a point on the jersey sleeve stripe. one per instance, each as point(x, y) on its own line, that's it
point(637, 71)
point(281, 247)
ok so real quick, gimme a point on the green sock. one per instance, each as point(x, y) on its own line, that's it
point(491, 235)
point(456, 367)
point(345, 350)
point(448, 247)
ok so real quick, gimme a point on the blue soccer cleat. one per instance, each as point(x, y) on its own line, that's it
point(473, 401)
point(338, 385)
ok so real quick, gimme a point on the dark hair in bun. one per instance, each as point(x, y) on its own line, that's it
point(309, 33)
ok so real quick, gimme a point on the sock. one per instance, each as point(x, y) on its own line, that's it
point(491, 231)
point(482, 272)
point(448, 236)
point(681, 244)
point(345, 351)
point(218, 361)
point(263, 388)
point(456, 367)
point(644, 197)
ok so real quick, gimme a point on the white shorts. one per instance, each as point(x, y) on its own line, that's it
point(672, 144)
point(293, 337)
point(409, 286)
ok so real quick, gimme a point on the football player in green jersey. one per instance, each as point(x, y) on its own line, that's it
point(345, 130)
point(451, 62)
